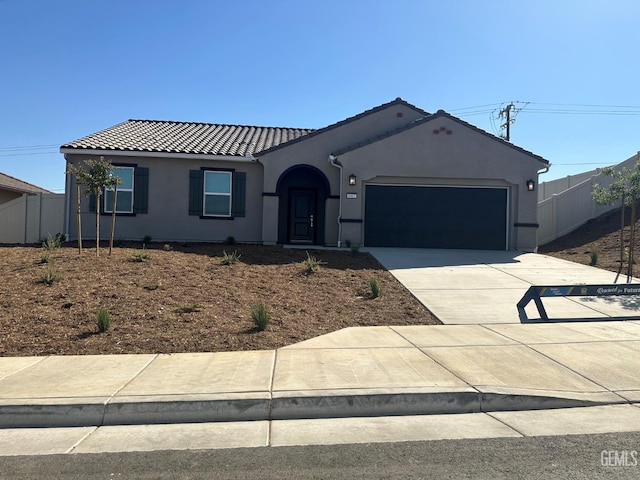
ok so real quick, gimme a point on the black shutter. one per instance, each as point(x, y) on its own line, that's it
point(141, 190)
point(238, 194)
point(196, 186)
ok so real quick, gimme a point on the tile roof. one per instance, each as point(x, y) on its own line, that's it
point(8, 182)
point(427, 118)
point(186, 137)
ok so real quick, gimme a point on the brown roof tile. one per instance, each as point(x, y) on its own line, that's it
point(186, 137)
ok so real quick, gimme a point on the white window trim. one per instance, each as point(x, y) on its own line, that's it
point(205, 194)
point(107, 209)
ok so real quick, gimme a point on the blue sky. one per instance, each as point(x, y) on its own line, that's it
point(72, 67)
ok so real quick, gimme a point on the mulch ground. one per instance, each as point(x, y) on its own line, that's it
point(186, 300)
point(599, 237)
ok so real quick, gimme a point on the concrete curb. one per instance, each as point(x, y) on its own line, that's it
point(190, 409)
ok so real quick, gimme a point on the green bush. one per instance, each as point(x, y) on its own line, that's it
point(53, 242)
point(167, 247)
point(51, 275)
point(140, 257)
point(594, 258)
point(146, 239)
point(45, 258)
point(230, 258)
point(355, 250)
point(103, 320)
point(311, 264)
point(260, 316)
point(230, 240)
point(375, 288)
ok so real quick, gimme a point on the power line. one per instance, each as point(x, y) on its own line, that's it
point(28, 147)
point(27, 154)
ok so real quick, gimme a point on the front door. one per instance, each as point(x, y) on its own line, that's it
point(302, 216)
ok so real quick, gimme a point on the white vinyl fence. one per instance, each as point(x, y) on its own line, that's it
point(31, 218)
point(561, 213)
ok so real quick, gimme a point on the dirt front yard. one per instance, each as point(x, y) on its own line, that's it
point(184, 299)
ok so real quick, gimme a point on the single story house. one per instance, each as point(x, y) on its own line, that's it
point(12, 188)
point(391, 176)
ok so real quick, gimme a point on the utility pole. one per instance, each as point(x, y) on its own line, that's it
point(506, 112)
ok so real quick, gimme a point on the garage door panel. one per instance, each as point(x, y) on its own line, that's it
point(435, 217)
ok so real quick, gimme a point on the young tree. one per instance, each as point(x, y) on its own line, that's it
point(94, 177)
point(626, 189)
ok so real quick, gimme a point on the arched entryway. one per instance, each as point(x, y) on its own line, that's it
point(302, 191)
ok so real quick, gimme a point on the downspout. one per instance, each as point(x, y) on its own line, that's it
point(333, 160)
point(67, 202)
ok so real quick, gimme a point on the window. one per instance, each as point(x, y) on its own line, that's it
point(217, 194)
point(124, 201)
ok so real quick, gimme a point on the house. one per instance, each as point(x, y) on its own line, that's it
point(28, 213)
point(12, 188)
point(393, 175)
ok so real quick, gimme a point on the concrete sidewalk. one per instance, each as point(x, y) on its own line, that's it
point(372, 371)
point(483, 287)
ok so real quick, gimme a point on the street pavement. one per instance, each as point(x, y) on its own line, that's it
point(482, 374)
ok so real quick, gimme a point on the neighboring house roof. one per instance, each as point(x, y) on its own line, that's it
point(186, 138)
point(8, 182)
point(428, 118)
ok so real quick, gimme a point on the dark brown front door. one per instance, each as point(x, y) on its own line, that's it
point(302, 216)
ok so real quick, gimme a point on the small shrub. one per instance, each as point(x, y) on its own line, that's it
point(375, 288)
point(230, 258)
point(311, 264)
point(354, 251)
point(53, 242)
point(103, 320)
point(594, 258)
point(118, 242)
point(347, 243)
point(140, 257)
point(194, 307)
point(167, 247)
point(260, 316)
point(146, 239)
point(230, 240)
point(45, 258)
point(51, 275)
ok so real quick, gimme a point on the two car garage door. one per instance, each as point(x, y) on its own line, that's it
point(436, 217)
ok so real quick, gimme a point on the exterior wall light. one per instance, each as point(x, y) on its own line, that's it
point(352, 179)
point(531, 185)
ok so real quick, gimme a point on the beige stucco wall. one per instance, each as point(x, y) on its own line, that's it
point(315, 151)
point(168, 216)
point(465, 157)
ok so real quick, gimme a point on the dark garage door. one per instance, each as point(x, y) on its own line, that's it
point(435, 217)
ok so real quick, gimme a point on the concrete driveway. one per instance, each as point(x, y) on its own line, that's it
point(483, 287)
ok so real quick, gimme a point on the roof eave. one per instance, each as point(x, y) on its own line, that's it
point(147, 154)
